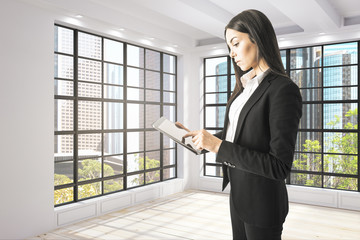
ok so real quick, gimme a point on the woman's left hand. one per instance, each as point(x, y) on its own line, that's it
point(204, 140)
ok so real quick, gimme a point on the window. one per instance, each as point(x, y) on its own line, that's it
point(326, 153)
point(219, 81)
point(107, 94)
point(327, 146)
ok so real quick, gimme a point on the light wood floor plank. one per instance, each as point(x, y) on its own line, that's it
point(205, 215)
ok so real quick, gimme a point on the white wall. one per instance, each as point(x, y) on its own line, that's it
point(26, 100)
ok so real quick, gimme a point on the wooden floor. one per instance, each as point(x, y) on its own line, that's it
point(204, 216)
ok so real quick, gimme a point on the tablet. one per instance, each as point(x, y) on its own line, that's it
point(169, 128)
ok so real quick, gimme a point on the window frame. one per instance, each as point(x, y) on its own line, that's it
point(321, 131)
point(75, 132)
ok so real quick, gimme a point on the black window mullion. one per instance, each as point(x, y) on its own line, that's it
point(358, 116)
point(76, 107)
point(161, 114)
point(322, 116)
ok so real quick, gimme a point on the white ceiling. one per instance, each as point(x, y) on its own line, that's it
point(191, 23)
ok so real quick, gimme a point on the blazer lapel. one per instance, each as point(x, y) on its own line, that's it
point(259, 91)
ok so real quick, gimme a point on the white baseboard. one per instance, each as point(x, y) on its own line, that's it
point(83, 210)
point(299, 194)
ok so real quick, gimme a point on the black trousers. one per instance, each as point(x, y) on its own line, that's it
point(244, 231)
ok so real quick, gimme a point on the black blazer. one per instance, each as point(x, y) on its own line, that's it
point(260, 158)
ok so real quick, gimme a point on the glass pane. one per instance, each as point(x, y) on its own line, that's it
point(113, 74)
point(307, 161)
point(312, 94)
point(135, 56)
point(64, 173)
point(63, 195)
point(305, 179)
point(341, 93)
point(169, 157)
point(152, 96)
point(89, 190)
point(135, 180)
point(89, 168)
point(168, 142)
point(89, 70)
point(307, 78)
point(305, 57)
point(113, 51)
point(169, 97)
point(169, 173)
point(135, 162)
point(135, 141)
point(308, 142)
point(311, 118)
point(135, 115)
point(152, 114)
point(216, 66)
point(169, 112)
point(113, 92)
point(210, 157)
point(89, 90)
point(89, 145)
point(169, 63)
point(89, 117)
point(152, 140)
point(341, 183)
point(169, 82)
point(113, 165)
point(152, 60)
point(346, 164)
point(135, 77)
point(135, 94)
point(113, 115)
point(152, 160)
point(64, 40)
point(63, 147)
point(64, 112)
point(340, 54)
point(340, 116)
point(215, 116)
point(216, 84)
point(89, 46)
point(215, 98)
point(336, 142)
point(340, 76)
point(152, 177)
point(113, 185)
point(152, 80)
point(63, 67)
point(64, 88)
point(215, 171)
point(113, 143)
point(283, 57)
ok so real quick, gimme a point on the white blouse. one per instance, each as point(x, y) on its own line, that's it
point(250, 83)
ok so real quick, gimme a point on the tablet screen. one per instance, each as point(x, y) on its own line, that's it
point(172, 131)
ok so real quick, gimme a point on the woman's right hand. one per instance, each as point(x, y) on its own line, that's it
point(179, 125)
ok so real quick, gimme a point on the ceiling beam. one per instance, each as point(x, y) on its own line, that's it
point(310, 15)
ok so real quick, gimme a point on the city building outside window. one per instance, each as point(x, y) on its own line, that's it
point(107, 95)
point(326, 153)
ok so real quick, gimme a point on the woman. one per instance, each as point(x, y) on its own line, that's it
point(256, 146)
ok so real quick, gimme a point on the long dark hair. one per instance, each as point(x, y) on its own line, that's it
point(261, 32)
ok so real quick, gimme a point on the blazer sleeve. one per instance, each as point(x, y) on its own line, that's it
point(285, 110)
point(218, 134)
